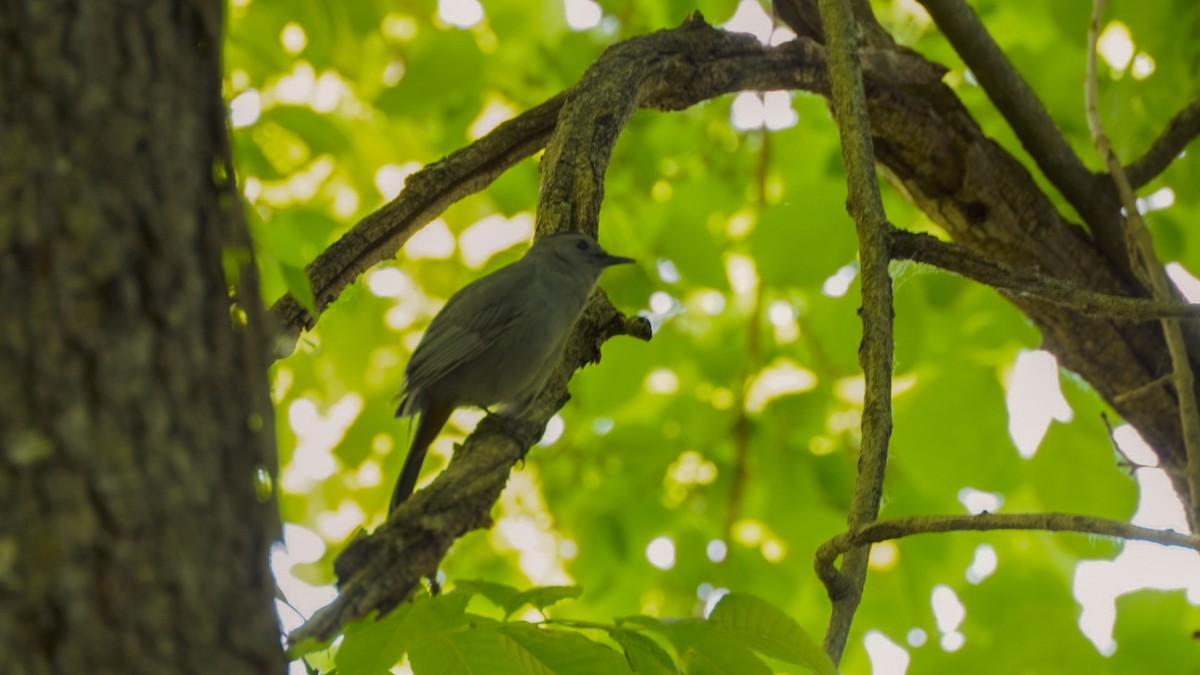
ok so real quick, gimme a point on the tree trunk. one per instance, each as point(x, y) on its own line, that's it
point(133, 419)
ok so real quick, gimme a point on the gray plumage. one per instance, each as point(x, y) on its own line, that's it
point(496, 341)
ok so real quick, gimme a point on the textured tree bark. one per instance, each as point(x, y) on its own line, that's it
point(932, 149)
point(133, 418)
point(934, 152)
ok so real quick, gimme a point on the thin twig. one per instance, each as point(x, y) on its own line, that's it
point(1145, 263)
point(1181, 130)
point(875, 352)
point(1028, 118)
point(1145, 388)
point(899, 528)
point(961, 260)
point(1126, 461)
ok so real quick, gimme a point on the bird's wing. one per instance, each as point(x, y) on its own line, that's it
point(470, 322)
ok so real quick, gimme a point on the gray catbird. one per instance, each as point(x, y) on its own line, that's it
point(497, 340)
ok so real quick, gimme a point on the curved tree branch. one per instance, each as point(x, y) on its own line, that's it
point(898, 528)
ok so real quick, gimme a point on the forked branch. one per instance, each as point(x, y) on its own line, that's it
point(1028, 118)
point(1145, 263)
point(1181, 130)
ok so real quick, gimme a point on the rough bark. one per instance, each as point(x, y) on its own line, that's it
point(931, 149)
point(132, 414)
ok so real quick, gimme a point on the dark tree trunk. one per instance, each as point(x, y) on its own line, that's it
point(132, 415)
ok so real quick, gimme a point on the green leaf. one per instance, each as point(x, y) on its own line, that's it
point(373, 646)
point(829, 244)
point(565, 651)
point(707, 650)
point(644, 655)
point(319, 132)
point(1156, 631)
point(544, 596)
point(501, 595)
point(438, 614)
point(704, 661)
point(766, 629)
point(307, 646)
point(698, 258)
point(296, 235)
point(473, 651)
point(299, 286)
point(516, 648)
point(440, 73)
point(511, 599)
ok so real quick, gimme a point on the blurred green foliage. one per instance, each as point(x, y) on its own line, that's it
point(731, 438)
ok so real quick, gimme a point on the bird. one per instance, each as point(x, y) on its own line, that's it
point(497, 340)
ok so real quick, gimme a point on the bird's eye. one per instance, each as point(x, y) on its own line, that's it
point(581, 245)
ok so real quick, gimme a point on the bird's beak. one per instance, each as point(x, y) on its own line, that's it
point(610, 260)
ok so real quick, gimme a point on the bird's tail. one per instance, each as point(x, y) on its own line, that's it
point(408, 403)
point(430, 424)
